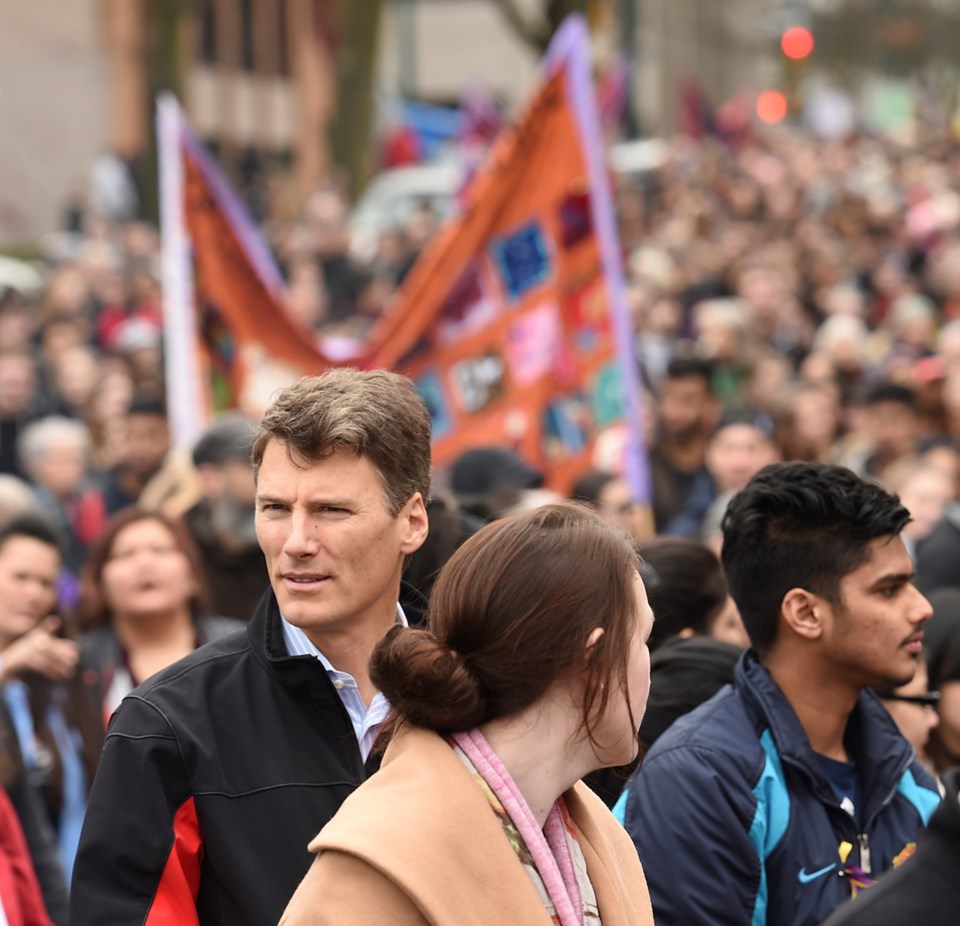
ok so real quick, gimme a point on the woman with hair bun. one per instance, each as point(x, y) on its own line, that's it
point(533, 671)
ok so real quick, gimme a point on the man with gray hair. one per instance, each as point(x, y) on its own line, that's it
point(55, 453)
point(218, 771)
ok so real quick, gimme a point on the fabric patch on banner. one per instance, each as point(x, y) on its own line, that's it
point(467, 308)
point(587, 310)
point(566, 427)
point(218, 342)
point(575, 221)
point(607, 396)
point(478, 382)
point(533, 343)
point(431, 391)
point(522, 260)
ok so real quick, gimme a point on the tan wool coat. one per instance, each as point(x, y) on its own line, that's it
point(418, 845)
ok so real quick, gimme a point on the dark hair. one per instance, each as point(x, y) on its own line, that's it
point(376, 414)
point(230, 438)
point(800, 525)
point(685, 586)
point(588, 486)
point(145, 403)
point(91, 609)
point(688, 367)
point(896, 393)
point(941, 637)
point(750, 415)
point(510, 615)
point(33, 525)
point(448, 528)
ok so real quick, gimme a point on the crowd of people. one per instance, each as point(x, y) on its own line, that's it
point(797, 313)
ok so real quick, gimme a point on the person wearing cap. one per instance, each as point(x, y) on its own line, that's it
point(490, 480)
point(222, 521)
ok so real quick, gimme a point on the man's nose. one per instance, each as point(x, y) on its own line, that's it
point(302, 540)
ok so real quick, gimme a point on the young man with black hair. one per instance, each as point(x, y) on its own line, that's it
point(145, 448)
point(791, 789)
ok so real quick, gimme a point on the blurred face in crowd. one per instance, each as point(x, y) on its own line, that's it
point(147, 443)
point(815, 418)
point(925, 495)
point(893, 428)
point(28, 585)
point(684, 405)
point(915, 721)
point(728, 626)
point(16, 325)
point(949, 713)
point(147, 573)
point(737, 453)
point(238, 482)
point(76, 375)
point(617, 732)
point(61, 468)
point(18, 381)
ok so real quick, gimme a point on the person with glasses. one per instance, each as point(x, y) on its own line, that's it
point(913, 708)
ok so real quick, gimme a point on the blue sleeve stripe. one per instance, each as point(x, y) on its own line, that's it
point(924, 801)
point(619, 809)
point(770, 819)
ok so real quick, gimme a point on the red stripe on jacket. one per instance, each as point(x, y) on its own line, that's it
point(175, 902)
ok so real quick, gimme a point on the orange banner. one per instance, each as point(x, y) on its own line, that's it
point(504, 322)
point(243, 330)
point(512, 323)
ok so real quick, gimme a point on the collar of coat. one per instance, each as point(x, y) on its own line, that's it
point(424, 823)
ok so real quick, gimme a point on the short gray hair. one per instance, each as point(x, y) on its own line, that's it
point(38, 438)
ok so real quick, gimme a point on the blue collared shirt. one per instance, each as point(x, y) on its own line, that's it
point(366, 720)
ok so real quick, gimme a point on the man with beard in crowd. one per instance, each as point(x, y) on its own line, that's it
point(222, 522)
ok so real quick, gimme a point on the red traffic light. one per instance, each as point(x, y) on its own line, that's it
point(797, 42)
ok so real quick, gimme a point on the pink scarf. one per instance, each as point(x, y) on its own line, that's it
point(548, 847)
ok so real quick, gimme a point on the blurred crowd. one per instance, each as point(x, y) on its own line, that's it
point(793, 298)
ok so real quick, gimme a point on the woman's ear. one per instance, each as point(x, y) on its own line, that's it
point(595, 635)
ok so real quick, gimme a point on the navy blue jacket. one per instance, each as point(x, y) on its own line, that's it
point(736, 824)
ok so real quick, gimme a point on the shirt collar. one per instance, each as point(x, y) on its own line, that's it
point(297, 643)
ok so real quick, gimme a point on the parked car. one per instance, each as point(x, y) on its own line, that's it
point(393, 196)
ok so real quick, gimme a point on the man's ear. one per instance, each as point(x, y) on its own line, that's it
point(803, 612)
point(416, 524)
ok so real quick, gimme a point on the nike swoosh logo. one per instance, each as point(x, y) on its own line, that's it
point(805, 877)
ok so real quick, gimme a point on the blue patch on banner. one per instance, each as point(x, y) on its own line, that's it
point(522, 260)
point(565, 427)
point(431, 391)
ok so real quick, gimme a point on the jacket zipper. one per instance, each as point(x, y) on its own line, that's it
point(864, 841)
